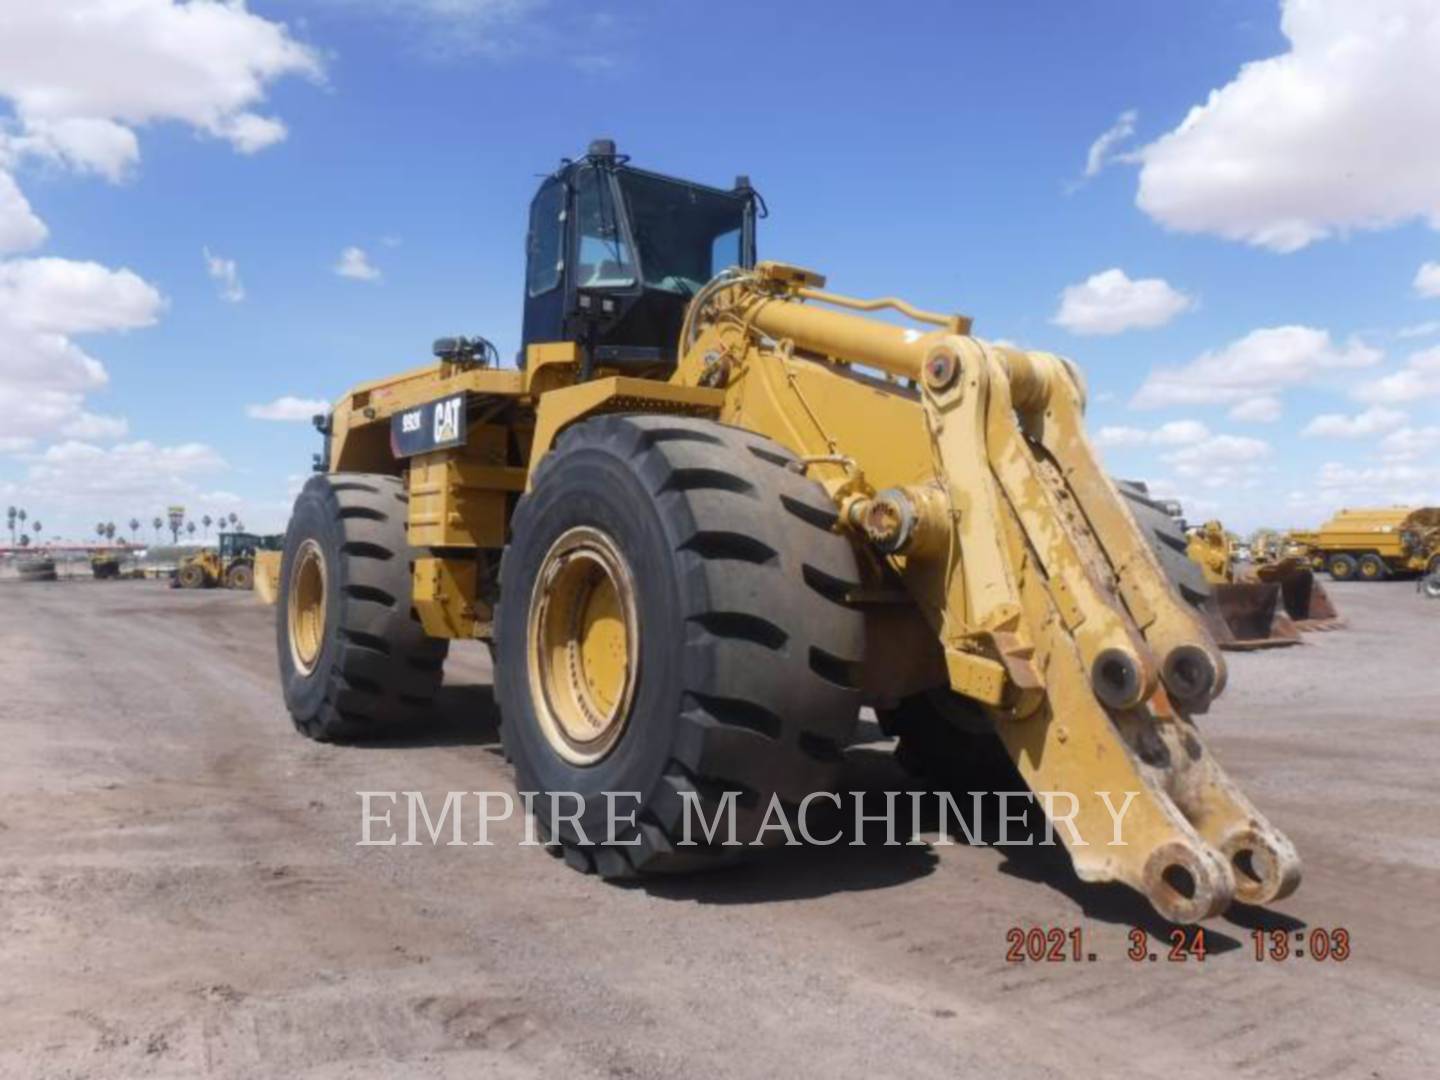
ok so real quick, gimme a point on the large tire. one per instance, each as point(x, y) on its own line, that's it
point(1343, 567)
point(745, 652)
point(1168, 542)
point(191, 576)
point(372, 668)
point(1372, 568)
point(241, 575)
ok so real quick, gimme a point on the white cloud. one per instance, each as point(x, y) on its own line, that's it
point(1393, 483)
point(1420, 378)
point(63, 296)
point(80, 482)
point(1361, 425)
point(1221, 461)
point(1175, 433)
point(1424, 329)
point(91, 426)
point(287, 408)
point(1410, 444)
point(1256, 410)
point(226, 276)
point(132, 62)
point(354, 263)
point(44, 375)
point(1258, 364)
point(1120, 435)
point(1102, 150)
point(1110, 302)
point(1427, 279)
point(1328, 136)
point(450, 28)
point(20, 229)
point(77, 79)
point(83, 143)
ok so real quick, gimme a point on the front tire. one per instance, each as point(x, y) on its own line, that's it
point(240, 576)
point(354, 660)
point(191, 576)
point(1342, 567)
point(712, 642)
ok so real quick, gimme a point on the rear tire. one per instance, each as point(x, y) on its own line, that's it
point(1372, 568)
point(354, 660)
point(240, 576)
point(744, 646)
point(1342, 567)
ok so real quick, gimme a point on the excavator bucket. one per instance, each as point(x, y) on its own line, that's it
point(1304, 599)
point(1248, 615)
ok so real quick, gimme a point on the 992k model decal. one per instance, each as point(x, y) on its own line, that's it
point(434, 425)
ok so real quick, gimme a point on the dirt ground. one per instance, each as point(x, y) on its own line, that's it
point(181, 894)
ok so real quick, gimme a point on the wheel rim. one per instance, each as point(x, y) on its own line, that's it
point(583, 639)
point(306, 609)
point(1369, 570)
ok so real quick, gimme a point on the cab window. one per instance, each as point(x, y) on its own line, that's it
point(544, 255)
point(603, 259)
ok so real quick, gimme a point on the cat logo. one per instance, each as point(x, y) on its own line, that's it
point(447, 420)
point(436, 425)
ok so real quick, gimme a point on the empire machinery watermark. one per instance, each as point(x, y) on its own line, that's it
point(411, 819)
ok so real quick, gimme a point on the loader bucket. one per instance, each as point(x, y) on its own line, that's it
point(1248, 615)
point(267, 576)
point(1303, 597)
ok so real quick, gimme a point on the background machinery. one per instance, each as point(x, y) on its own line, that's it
point(1371, 545)
point(231, 563)
point(718, 508)
point(1263, 602)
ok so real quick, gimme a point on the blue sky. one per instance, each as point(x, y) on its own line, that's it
point(1247, 290)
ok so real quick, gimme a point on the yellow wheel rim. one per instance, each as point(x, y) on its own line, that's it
point(306, 610)
point(583, 641)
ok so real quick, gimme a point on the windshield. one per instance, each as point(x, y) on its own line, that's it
point(683, 235)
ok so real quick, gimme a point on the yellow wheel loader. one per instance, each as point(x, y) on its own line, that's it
point(231, 563)
point(716, 510)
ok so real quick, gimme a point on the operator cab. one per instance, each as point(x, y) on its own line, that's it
point(615, 253)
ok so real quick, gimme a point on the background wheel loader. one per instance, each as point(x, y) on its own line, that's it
point(714, 511)
point(231, 563)
point(1264, 603)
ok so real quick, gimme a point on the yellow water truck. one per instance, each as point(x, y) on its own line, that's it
point(1373, 544)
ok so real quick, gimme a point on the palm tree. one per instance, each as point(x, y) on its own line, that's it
point(134, 527)
point(100, 529)
point(206, 521)
point(190, 528)
point(234, 521)
point(110, 531)
point(10, 513)
point(37, 527)
point(157, 523)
